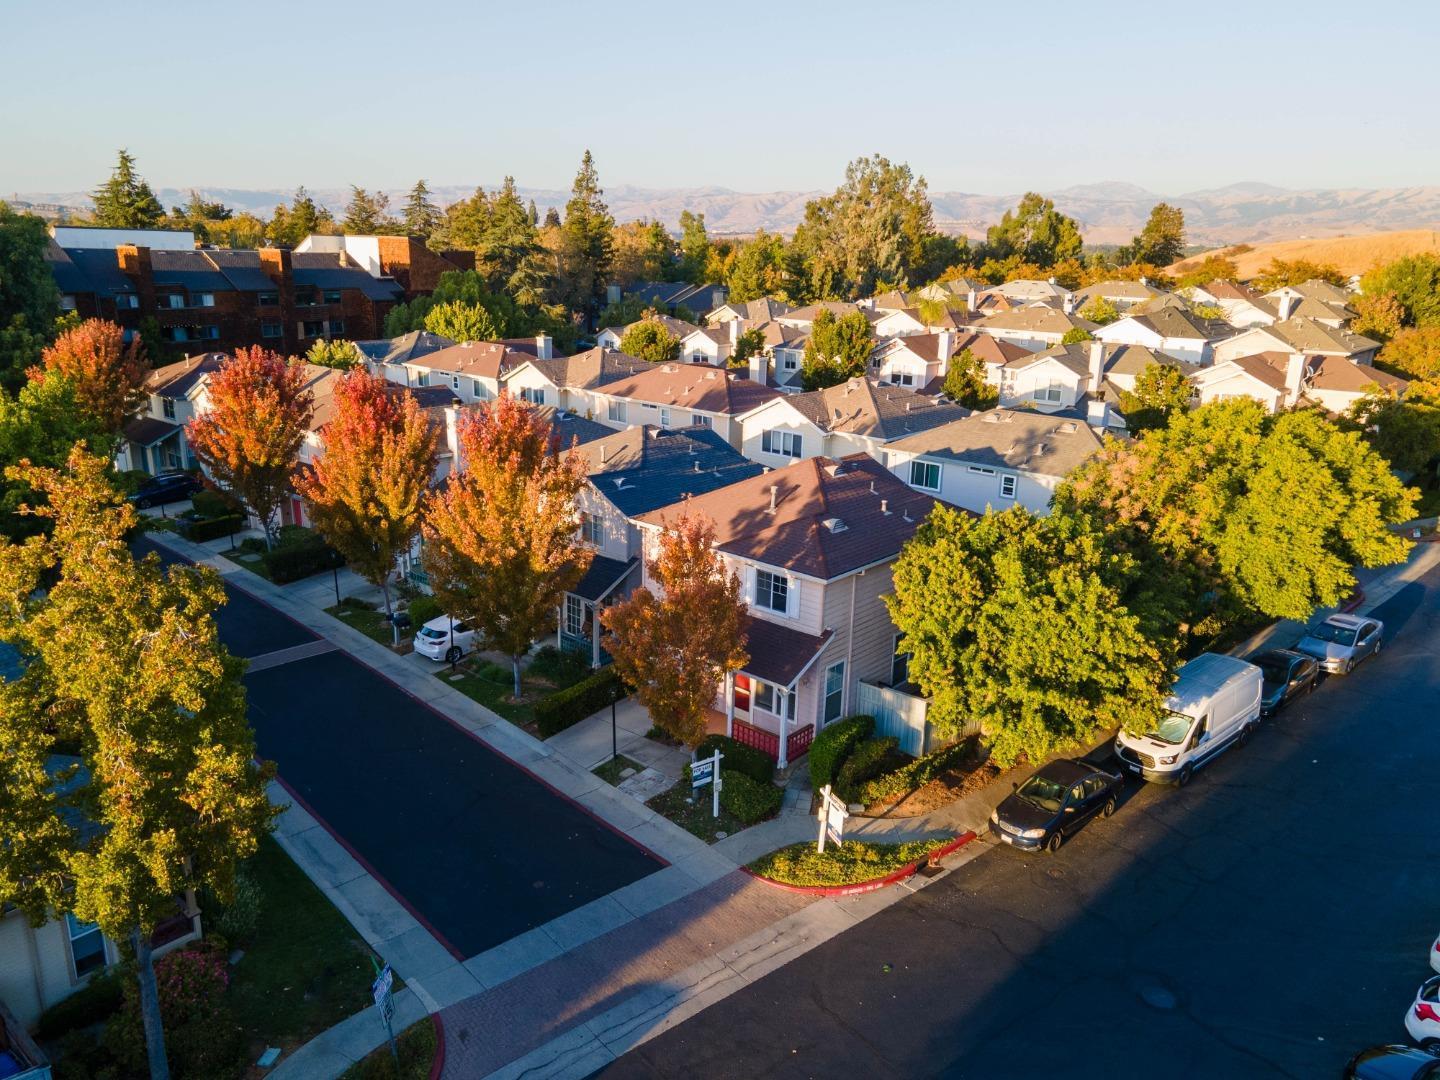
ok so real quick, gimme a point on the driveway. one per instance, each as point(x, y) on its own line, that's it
point(1266, 921)
point(478, 848)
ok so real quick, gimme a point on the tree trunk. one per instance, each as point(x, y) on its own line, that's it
point(150, 1007)
point(389, 612)
point(515, 666)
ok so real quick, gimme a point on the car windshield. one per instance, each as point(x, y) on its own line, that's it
point(1274, 672)
point(1328, 631)
point(1173, 727)
point(1046, 794)
point(432, 632)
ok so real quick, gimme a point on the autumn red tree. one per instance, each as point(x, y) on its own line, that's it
point(259, 408)
point(106, 372)
point(366, 493)
point(675, 648)
point(501, 538)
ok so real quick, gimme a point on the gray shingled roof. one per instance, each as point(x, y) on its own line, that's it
point(864, 407)
point(409, 346)
point(645, 468)
point(1009, 439)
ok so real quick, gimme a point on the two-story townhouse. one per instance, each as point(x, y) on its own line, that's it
point(570, 382)
point(813, 545)
point(1168, 329)
point(471, 370)
point(679, 395)
point(780, 358)
point(920, 362)
point(712, 345)
point(804, 317)
point(382, 354)
point(611, 336)
point(1298, 334)
point(153, 440)
point(894, 300)
point(957, 291)
point(1337, 382)
point(994, 459)
point(1280, 380)
point(761, 310)
point(1242, 306)
point(1122, 294)
point(1313, 299)
point(1035, 327)
point(858, 416)
point(1124, 363)
point(630, 473)
point(1051, 380)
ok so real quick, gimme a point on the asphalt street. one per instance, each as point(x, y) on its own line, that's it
point(477, 847)
point(1266, 921)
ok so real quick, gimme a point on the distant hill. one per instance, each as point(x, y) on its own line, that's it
point(1349, 254)
point(1109, 212)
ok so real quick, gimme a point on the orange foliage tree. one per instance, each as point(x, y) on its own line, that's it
point(675, 648)
point(107, 373)
point(501, 538)
point(250, 434)
point(366, 493)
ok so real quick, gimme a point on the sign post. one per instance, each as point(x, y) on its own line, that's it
point(385, 1002)
point(832, 815)
point(707, 772)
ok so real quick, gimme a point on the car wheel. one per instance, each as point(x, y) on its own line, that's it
point(453, 654)
point(1109, 806)
point(144, 504)
point(1185, 773)
point(1245, 733)
point(1053, 844)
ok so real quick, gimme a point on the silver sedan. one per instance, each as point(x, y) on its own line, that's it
point(1342, 641)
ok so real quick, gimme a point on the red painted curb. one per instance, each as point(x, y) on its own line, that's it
point(437, 1066)
point(873, 884)
point(1356, 599)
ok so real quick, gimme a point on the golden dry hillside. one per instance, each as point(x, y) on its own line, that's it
point(1350, 254)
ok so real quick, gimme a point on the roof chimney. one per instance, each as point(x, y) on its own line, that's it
point(1097, 365)
point(943, 345)
point(544, 347)
point(1294, 377)
point(734, 331)
point(971, 302)
point(1286, 305)
point(774, 495)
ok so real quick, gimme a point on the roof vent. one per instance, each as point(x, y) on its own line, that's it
point(774, 496)
point(1069, 427)
point(885, 507)
point(834, 524)
point(836, 468)
point(906, 515)
point(697, 465)
point(619, 482)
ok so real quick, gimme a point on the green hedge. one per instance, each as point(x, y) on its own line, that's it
point(567, 707)
point(209, 503)
point(287, 564)
point(747, 799)
point(422, 609)
point(211, 528)
point(866, 761)
point(97, 1000)
point(833, 745)
point(756, 764)
point(916, 774)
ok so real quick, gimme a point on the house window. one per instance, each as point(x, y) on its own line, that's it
point(772, 591)
point(789, 363)
point(268, 299)
point(742, 693)
point(834, 692)
point(176, 333)
point(454, 382)
point(664, 416)
point(479, 389)
point(337, 326)
point(774, 700)
point(422, 379)
point(332, 296)
point(901, 377)
point(701, 419)
point(1007, 487)
point(784, 443)
point(127, 301)
point(313, 328)
point(271, 328)
point(1054, 392)
point(899, 665)
point(209, 333)
point(615, 411)
point(982, 470)
point(87, 946)
point(574, 615)
point(925, 474)
point(173, 300)
point(535, 395)
point(592, 529)
point(67, 303)
point(204, 299)
point(167, 406)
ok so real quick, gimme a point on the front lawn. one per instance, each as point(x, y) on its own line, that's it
point(368, 620)
point(695, 817)
point(416, 1047)
point(492, 684)
point(850, 863)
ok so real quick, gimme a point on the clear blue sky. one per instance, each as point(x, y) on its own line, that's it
point(977, 97)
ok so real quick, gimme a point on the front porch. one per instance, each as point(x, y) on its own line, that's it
point(154, 446)
point(764, 704)
point(576, 630)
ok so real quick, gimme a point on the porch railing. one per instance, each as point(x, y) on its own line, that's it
point(797, 743)
point(749, 735)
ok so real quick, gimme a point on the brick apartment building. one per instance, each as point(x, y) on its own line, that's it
point(218, 300)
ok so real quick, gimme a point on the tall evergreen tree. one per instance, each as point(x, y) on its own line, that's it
point(291, 224)
point(1035, 232)
point(694, 246)
point(125, 201)
point(587, 241)
point(29, 300)
point(365, 213)
point(1162, 240)
point(421, 216)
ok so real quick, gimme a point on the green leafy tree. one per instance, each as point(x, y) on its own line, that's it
point(463, 290)
point(366, 212)
point(462, 322)
point(509, 253)
point(1019, 624)
point(1162, 240)
point(586, 243)
point(838, 349)
point(125, 201)
point(1160, 391)
point(1035, 232)
point(750, 343)
point(1278, 273)
point(1404, 433)
point(303, 217)
point(125, 671)
point(1210, 268)
point(649, 340)
point(1075, 335)
point(1380, 316)
point(1100, 311)
point(29, 301)
point(695, 247)
point(40, 424)
point(205, 218)
point(420, 216)
point(643, 251)
point(965, 382)
point(334, 354)
point(1414, 353)
point(1414, 282)
point(761, 266)
point(877, 225)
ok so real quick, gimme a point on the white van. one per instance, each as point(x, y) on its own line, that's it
point(1214, 704)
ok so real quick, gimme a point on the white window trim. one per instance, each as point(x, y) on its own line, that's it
point(926, 465)
point(1010, 481)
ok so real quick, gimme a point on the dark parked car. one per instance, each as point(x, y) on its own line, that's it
point(1287, 674)
point(1054, 803)
point(1394, 1062)
point(166, 488)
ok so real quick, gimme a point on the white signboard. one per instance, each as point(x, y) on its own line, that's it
point(832, 815)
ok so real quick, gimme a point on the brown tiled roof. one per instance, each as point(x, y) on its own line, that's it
point(1229, 290)
point(892, 301)
point(1342, 373)
point(692, 386)
point(175, 380)
point(591, 368)
point(779, 654)
point(986, 347)
point(828, 518)
point(1045, 320)
point(679, 327)
point(477, 359)
point(1008, 438)
point(1268, 367)
point(1117, 290)
point(1133, 359)
point(863, 407)
point(1307, 335)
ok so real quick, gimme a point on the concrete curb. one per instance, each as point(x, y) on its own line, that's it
point(861, 887)
point(437, 1065)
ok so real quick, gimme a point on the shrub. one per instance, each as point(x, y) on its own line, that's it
point(211, 528)
point(130, 480)
point(865, 762)
point(569, 706)
point(747, 799)
point(94, 1002)
point(422, 609)
point(354, 603)
point(756, 764)
point(560, 666)
point(916, 774)
point(299, 560)
point(851, 863)
point(241, 916)
point(201, 1035)
point(832, 746)
point(209, 503)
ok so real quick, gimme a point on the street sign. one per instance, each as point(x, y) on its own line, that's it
point(708, 772)
point(385, 1003)
point(831, 814)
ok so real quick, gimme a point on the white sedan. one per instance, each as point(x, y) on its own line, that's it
point(1435, 956)
point(445, 639)
point(1423, 1019)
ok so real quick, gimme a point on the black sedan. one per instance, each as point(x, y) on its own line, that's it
point(1287, 674)
point(1394, 1062)
point(166, 488)
point(1054, 803)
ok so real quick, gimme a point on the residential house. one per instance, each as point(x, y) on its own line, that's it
point(804, 317)
point(1049, 381)
point(406, 260)
point(902, 322)
point(670, 296)
point(813, 545)
point(1298, 335)
point(471, 370)
point(153, 440)
point(1321, 292)
point(1336, 382)
point(1242, 305)
point(712, 345)
point(856, 416)
point(994, 459)
point(1170, 330)
point(894, 300)
point(1272, 378)
point(381, 352)
point(920, 361)
point(679, 395)
point(781, 357)
point(1123, 363)
point(1035, 327)
point(758, 311)
point(1122, 294)
point(1024, 291)
point(569, 382)
point(609, 338)
point(629, 473)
